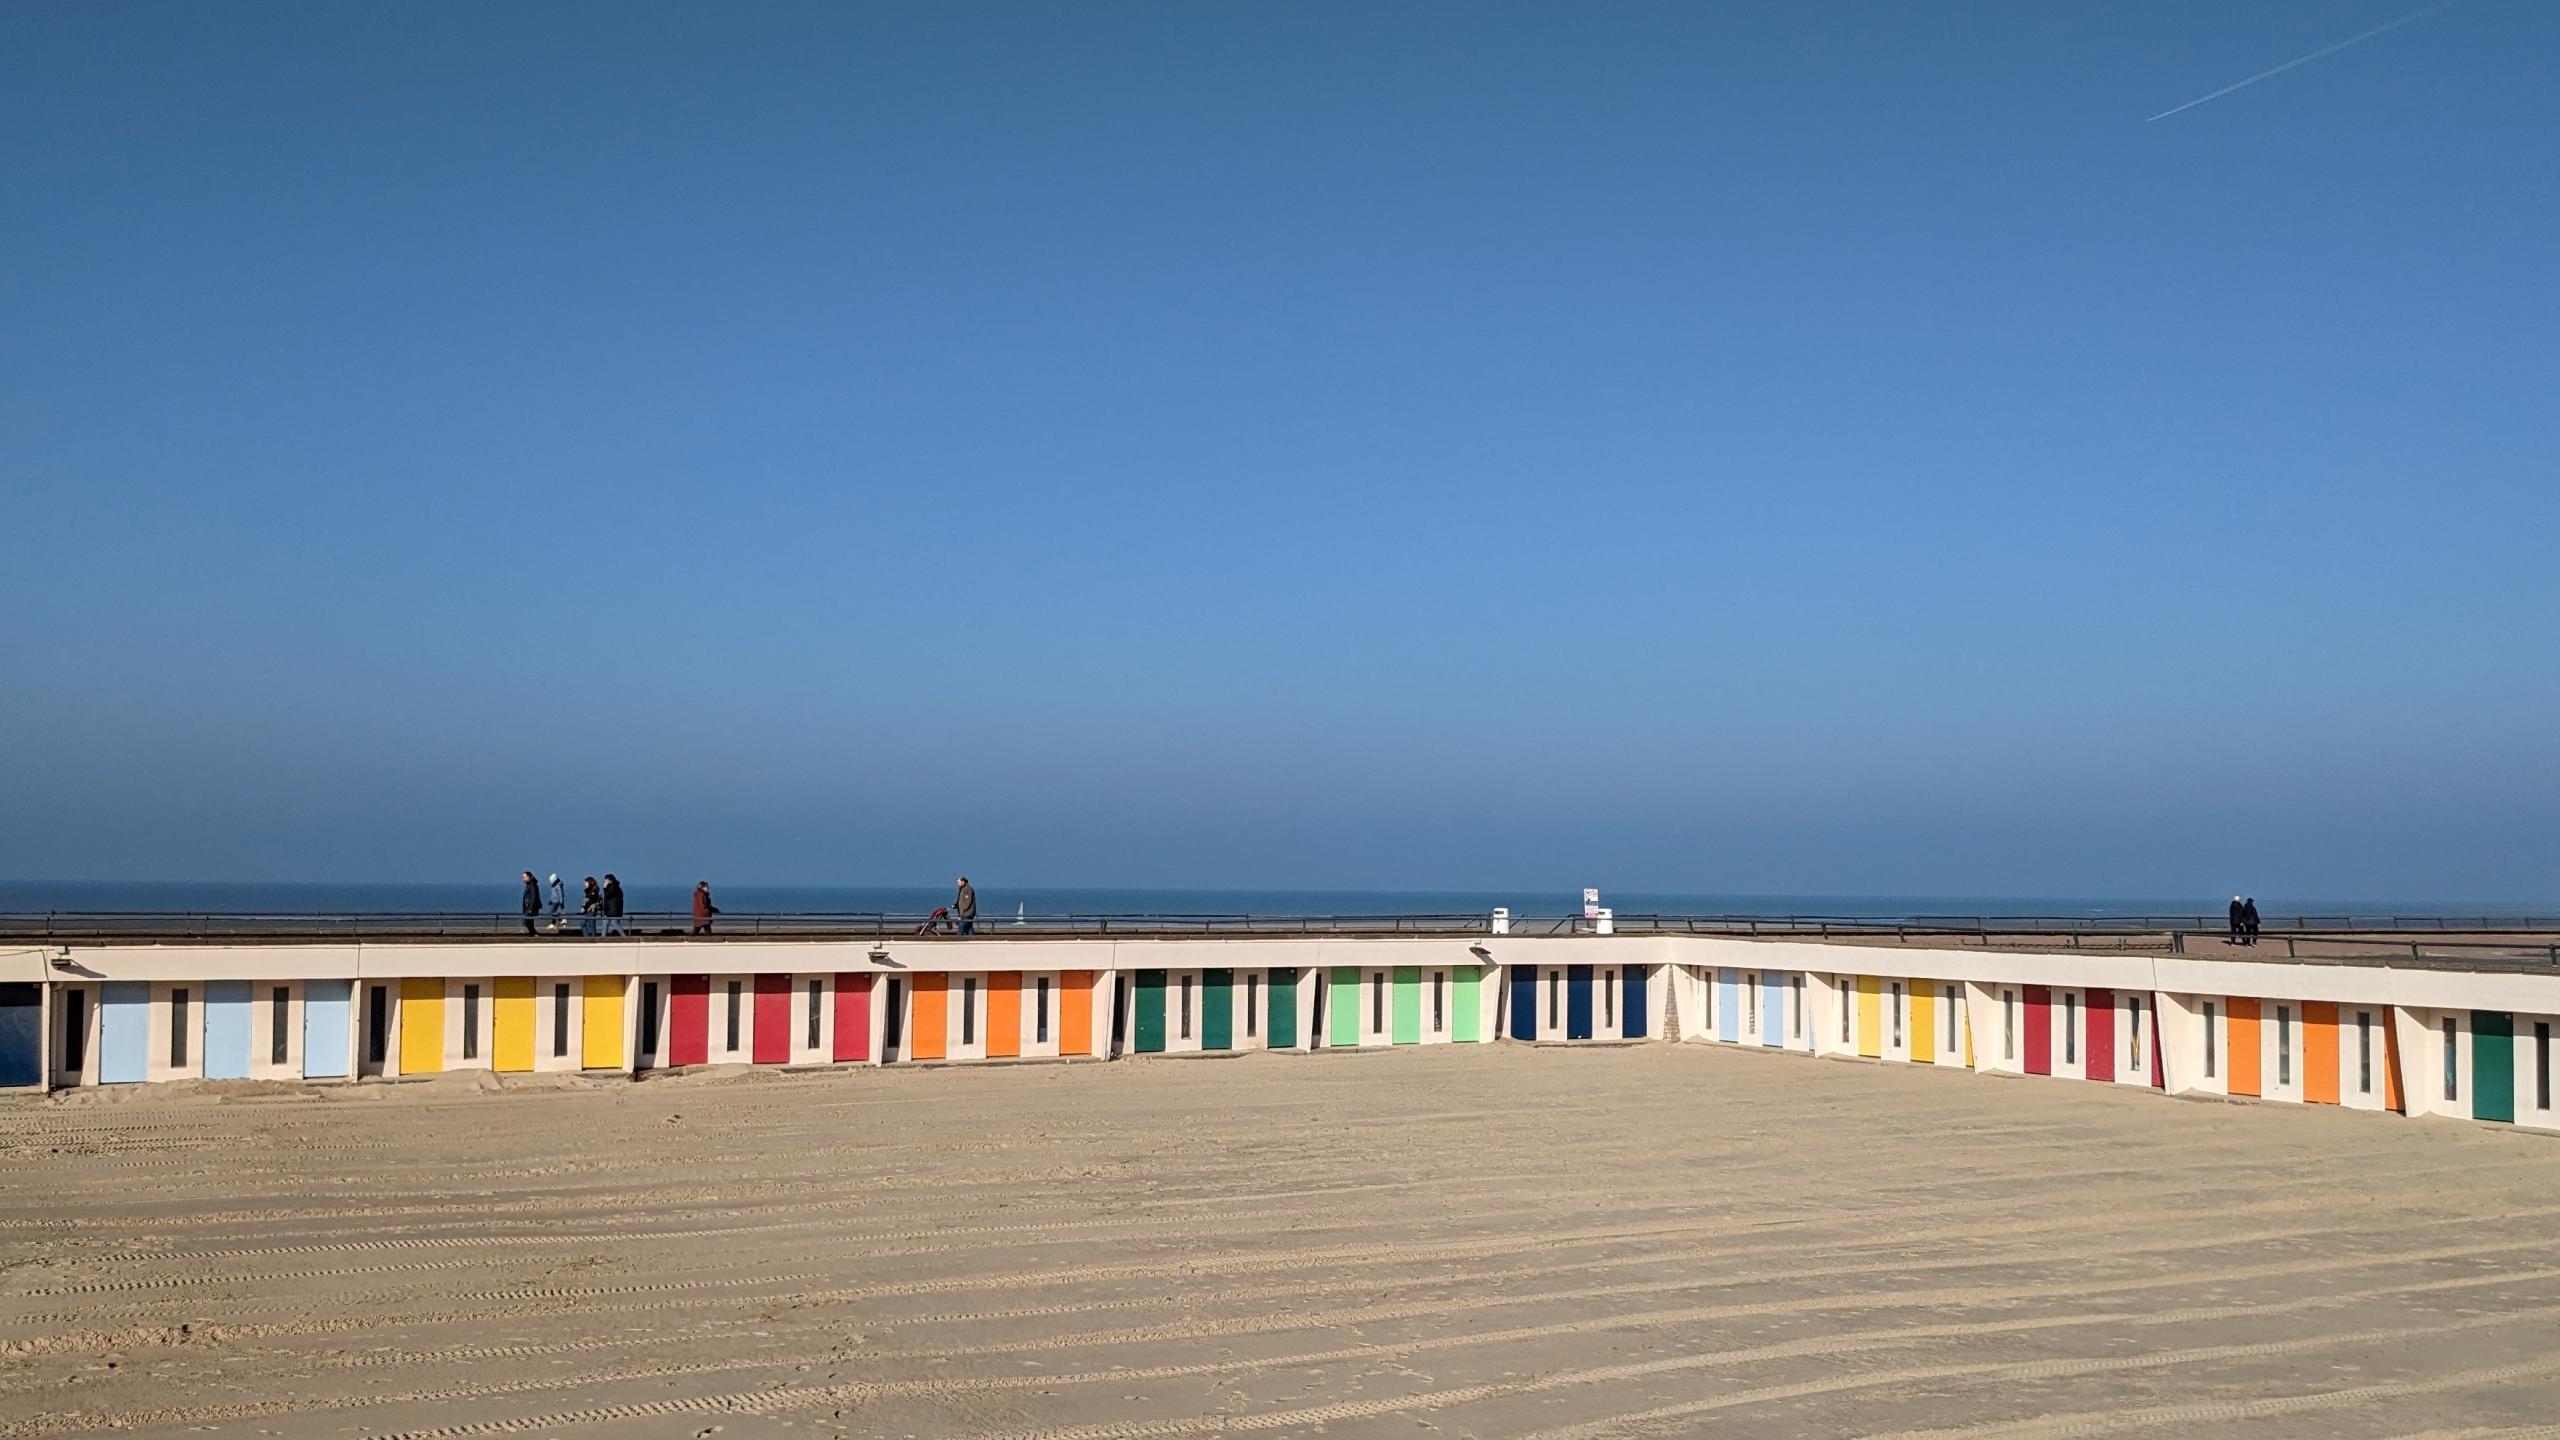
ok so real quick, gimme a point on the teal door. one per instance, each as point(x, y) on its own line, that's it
point(2493, 1065)
point(1150, 1011)
point(1282, 1026)
point(1217, 1009)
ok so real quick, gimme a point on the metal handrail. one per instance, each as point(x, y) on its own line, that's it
point(882, 925)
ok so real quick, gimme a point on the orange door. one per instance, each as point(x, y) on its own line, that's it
point(933, 1017)
point(2320, 1052)
point(2244, 1046)
point(2391, 1065)
point(1004, 1012)
point(1075, 1013)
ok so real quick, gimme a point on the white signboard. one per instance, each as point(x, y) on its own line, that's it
point(1590, 904)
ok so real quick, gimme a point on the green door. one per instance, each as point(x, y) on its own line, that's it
point(1282, 985)
point(1217, 1010)
point(2493, 1065)
point(1346, 1006)
point(1466, 1012)
point(1407, 1000)
point(1150, 1008)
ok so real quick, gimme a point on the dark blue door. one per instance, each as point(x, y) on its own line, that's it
point(21, 1035)
point(1632, 1020)
point(1524, 1002)
point(1577, 1002)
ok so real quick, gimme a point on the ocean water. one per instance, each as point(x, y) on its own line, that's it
point(998, 901)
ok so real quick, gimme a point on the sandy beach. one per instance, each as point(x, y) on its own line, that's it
point(1495, 1241)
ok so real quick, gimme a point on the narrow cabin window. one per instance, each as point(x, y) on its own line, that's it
point(470, 1022)
point(2284, 1044)
point(736, 1002)
point(817, 993)
point(1949, 993)
point(1040, 1017)
point(1377, 1002)
point(1799, 1026)
point(969, 1009)
point(2071, 1028)
point(2541, 1064)
point(2208, 1040)
point(559, 1021)
point(2008, 1024)
point(279, 1008)
point(178, 1027)
point(2133, 1032)
point(1751, 1003)
point(1847, 999)
point(1555, 993)
point(1252, 1004)
point(75, 1030)
point(1608, 1001)
point(1439, 1002)
point(1897, 1014)
point(2451, 1044)
point(2364, 1052)
point(377, 1023)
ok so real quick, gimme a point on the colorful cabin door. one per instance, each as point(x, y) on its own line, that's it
point(1149, 1017)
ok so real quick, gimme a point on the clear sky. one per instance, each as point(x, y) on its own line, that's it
point(1830, 448)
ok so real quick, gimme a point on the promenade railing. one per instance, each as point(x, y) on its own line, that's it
point(2449, 937)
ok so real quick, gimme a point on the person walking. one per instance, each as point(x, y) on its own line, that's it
point(532, 901)
point(965, 907)
point(2239, 919)
point(590, 908)
point(703, 909)
point(559, 896)
point(612, 904)
point(2249, 921)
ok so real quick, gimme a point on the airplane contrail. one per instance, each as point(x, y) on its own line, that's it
point(2409, 19)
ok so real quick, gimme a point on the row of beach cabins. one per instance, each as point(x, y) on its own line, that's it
point(2409, 1039)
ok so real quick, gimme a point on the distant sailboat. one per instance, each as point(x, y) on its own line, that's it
point(1017, 913)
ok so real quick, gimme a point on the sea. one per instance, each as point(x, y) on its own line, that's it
point(998, 901)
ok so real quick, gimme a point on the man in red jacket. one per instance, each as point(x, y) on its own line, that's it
point(703, 909)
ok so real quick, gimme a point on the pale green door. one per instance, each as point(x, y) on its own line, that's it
point(1346, 1006)
point(1466, 1009)
point(1407, 1000)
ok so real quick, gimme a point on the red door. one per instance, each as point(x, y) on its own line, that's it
point(773, 1020)
point(2039, 1030)
point(853, 1017)
point(2101, 1038)
point(2151, 1009)
point(689, 1020)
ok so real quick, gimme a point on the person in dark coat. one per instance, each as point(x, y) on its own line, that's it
point(703, 909)
point(2239, 919)
point(612, 897)
point(2249, 921)
point(965, 906)
point(532, 900)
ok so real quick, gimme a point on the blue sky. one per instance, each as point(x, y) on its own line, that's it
point(1807, 448)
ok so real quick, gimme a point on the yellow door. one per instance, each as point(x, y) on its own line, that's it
point(513, 1049)
point(602, 1022)
point(1924, 1022)
point(421, 1025)
point(1871, 1016)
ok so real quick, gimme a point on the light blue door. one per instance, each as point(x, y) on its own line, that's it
point(124, 1031)
point(226, 1030)
point(1728, 1006)
point(325, 1014)
point(1773, 1008)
